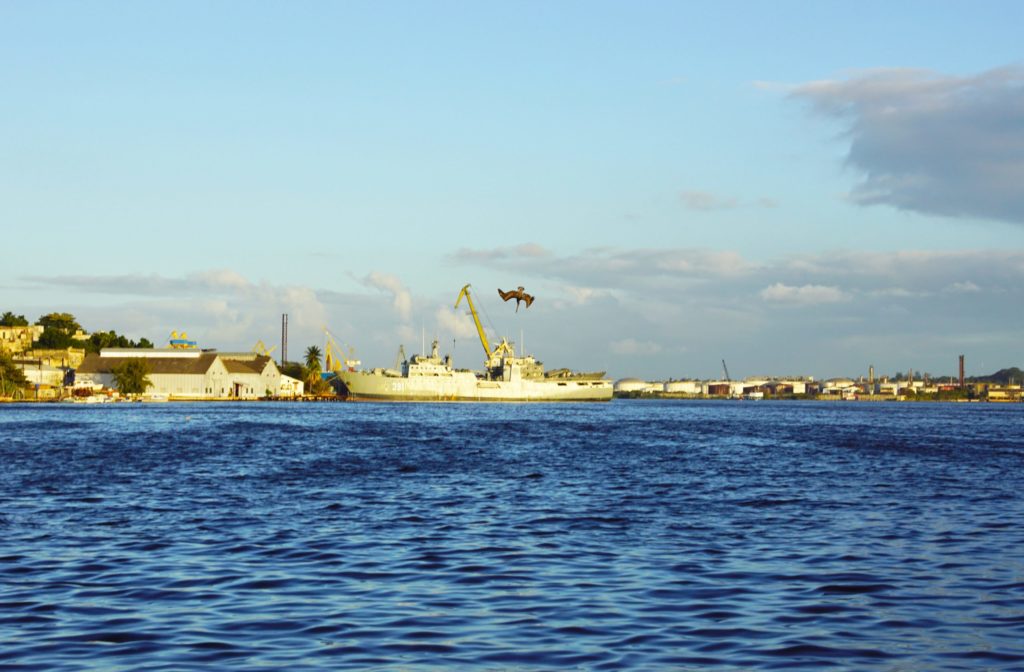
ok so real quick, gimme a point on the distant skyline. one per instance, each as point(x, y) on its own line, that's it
point(799, 188)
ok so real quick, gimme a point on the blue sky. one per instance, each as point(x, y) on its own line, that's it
point(800, 188)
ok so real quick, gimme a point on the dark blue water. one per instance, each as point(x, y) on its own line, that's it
point(630, 535)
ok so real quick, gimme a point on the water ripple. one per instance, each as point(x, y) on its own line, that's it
point(633, 535)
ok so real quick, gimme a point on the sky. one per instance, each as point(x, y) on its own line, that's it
point(798, 188)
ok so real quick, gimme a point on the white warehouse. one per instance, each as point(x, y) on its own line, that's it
point(179, 373)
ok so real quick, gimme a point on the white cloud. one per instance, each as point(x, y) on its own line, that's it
point(523, 251)
point(632, 346)
point(803, 295)
point(932, 143)
point(696, 262)
point(454, 322)
point(705, 200)
point(895, 292)
point(221, 278)
point(304, 305)
point(963, 288)
point(581, 295)
point(219, 307)
point(401, 298)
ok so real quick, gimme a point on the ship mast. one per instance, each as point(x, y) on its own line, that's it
point(476, 320)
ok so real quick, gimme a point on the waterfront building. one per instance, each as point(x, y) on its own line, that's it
point(177, 373)
point(16, 340)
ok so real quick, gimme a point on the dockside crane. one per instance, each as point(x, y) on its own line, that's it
point(261, 349)
point(503, 348)
point(334, 354)
point(726, 370)
point(476, 320)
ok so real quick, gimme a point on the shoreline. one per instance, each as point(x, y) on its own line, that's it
point(618, 397)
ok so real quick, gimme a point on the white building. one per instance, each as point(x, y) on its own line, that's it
point(192, 374)
point(37, 373)
point(794, 386)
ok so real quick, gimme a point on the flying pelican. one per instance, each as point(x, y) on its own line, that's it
point(519, 295)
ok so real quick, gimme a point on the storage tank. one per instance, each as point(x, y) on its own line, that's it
point(630, 385)
point(682, 387)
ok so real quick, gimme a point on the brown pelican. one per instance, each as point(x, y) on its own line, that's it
point(517, 294)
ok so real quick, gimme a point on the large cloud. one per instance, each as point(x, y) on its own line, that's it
point(932, 143)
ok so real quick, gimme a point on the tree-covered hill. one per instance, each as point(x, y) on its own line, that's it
point(1002, 377)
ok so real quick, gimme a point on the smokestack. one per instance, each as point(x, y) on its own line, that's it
point(871, 374)
point(284, 338)
point(961, 371)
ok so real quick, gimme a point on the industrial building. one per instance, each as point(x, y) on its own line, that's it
point(183, 373)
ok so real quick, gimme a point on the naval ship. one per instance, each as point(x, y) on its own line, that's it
point(506, 377)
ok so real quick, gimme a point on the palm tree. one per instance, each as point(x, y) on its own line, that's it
point(312, 367)
point(313, 358)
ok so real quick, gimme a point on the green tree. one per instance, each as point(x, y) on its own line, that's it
point(104, 339)
point(312, 370)
point(65, 322)
point(59, 331)
point(320, 387)
point(111, 339)
point(132, 376)
point(313, 355)
point(293, 369)
point(12, 378)
point(9, 319)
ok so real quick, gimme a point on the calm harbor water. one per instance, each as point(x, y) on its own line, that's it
point(630, 535)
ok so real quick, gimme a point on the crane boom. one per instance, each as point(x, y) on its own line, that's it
point(476, 319)
point(334, 355)
point(726, 369)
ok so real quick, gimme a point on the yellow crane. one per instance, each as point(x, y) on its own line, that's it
point(503, 348)
point(261, 348)
point(334, 354)
point(476, 320)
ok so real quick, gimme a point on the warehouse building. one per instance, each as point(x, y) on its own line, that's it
point(178, 373)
